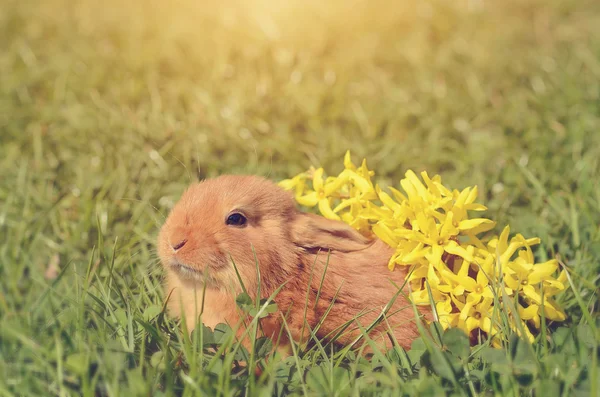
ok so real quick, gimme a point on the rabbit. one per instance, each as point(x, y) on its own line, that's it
point(248, 220)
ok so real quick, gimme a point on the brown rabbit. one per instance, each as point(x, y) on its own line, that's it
point(248, 219)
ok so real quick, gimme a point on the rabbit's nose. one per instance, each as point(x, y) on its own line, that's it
point(178, 245)
point(177, 238)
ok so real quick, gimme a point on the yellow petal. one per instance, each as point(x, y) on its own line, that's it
point(474, 299)
point(458, 290)
point(348, 164)
point(361, 183)
point(387, 200)
point(533, 241)
point(528, 334)
point(288, 184)
point(364, 170)
point(486, 325)
point(485, 263)
point(392, 263)
point(418, 272)
point(482, 279)
point(430, 185)
point(418, 186)
point(446, 289)
point(326, 211)
point(459, 303)
point(464, 313)
point(334, 184)
point(448, 230)
point(420, 223)
point(485, 305)
point(443, 189)
point(553, 287)
point(462, 198)
point(466, 282)
point(463, 269)
point(476, 225)
point(510, 251)
point(428, 227)
point(475, 207)
point(542, 271)
point(453, 248)
point(552, 311)
point(385, 234)
point(526, 255)
point(309, 200)
point(410, 190)
point(528, 313)
point(398, 195)
point(318, 180)
point(530, 292)
point(469, 284)
point(444, 307)
point(345, 204)
point(421, 297)
point(562, 277)
point(512, 283)
point(503, 240)
point(435, 256)
point(417, 253)
point(432, 277)
point(374, 213)
point(347, 217)
point(472, 196)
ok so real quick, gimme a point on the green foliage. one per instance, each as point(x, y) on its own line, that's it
point(108, 110)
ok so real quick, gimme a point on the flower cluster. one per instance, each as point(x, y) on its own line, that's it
point(448, 260)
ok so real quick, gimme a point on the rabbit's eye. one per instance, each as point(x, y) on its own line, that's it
point(236, 219)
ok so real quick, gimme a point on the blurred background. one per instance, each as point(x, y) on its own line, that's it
point(109, 109)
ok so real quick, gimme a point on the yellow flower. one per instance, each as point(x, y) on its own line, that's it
point(528, 274)
point(477, 313)
point(363, 171)
point(556, 285)
point(530, 312)
point(321, 195)
point(297, 183)
point(429, 227)
point(443, 306)
point(462, 283)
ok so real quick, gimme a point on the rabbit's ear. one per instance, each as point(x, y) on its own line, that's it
point(311, 231)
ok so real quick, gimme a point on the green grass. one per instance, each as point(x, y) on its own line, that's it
point(107, 112)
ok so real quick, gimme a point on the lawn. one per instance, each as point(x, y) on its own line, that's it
point(108, 110)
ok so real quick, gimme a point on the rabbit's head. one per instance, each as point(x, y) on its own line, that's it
point(246, 223)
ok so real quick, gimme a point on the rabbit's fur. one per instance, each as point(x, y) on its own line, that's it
point(292, 248)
